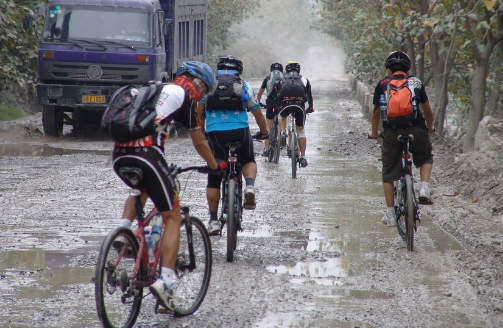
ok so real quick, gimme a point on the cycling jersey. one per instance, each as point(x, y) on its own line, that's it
point(224, 120)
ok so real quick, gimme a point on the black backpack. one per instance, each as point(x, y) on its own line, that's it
point(292, 86)
point(131, 116)
point(227, 95)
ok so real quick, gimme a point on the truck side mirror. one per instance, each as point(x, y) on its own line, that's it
point(168, 26)
point(27, 21)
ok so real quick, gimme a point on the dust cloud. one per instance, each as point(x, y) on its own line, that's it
point(279, 31)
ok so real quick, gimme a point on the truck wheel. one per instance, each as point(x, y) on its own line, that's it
point(52, 121)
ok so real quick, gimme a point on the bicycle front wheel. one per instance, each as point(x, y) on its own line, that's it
point(118, 296)
point(293, 141)
point(231, 220)
point(192, 281)
point(409, 212)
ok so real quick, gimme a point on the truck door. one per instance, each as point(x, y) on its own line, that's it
point(190, 31)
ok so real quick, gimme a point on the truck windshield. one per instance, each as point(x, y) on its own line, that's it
point(70, 24)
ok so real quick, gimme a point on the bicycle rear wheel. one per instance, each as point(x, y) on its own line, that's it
point(293, 141)
point(192, 283)
point(231, 220)
point(118, 298)
point(399, 210)
point(277, 143)
point(409, 212)
point(272, 146)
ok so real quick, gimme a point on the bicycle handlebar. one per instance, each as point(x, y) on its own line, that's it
point(175, 170)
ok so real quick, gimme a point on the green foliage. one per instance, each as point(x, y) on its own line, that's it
point(18, 47)
point(8, 113)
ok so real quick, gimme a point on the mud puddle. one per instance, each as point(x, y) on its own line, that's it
point(17, 150)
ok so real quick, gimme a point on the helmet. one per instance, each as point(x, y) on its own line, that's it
point(277, 66)
point(230, 62)
point(398, 60)
point(292, 66)
point(200, 70)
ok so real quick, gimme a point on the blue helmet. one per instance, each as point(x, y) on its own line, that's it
point(200, 70)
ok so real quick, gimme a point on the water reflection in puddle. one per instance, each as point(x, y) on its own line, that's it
point(18, 150)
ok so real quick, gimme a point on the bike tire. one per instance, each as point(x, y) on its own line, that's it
point(293, 141)
point(399, 206)
point(191, 285)
point(231, 221)
point(118, 301)
point(409, 212)
point(277, 142)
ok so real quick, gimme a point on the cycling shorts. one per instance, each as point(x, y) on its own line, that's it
point(270, 112)
point(420, 148)
point(217, 141)
point(296, 107)
point(157, 178)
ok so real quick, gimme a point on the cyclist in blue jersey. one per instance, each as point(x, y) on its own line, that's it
point(224, 115)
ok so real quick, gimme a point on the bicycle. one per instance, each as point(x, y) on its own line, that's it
point(123, 269)
point(274, 141)
point(232, 200)
point(406, 204)
point(293, 150)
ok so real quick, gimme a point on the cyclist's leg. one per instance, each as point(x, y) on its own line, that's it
point(246, 157)
point(214, 180)
point(391, 169)
point(422, 155)
point(269, 116)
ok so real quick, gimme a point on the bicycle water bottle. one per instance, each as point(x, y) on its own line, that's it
point(156, 229)
point(150, 246)
point(383, 105)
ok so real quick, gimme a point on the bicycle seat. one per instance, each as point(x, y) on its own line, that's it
point(233, 144)
point(132, 174)
point(405, 137)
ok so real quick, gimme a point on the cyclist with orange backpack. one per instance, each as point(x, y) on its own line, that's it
point(402, 94)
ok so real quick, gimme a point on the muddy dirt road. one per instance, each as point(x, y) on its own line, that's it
point(313, 253)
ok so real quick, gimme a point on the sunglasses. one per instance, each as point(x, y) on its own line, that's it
point(201, 86)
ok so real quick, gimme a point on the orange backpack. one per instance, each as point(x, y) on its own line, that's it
point(402, 101)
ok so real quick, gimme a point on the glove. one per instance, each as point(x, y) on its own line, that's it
point(222, 165)
point(310, 110)
point(258, 135)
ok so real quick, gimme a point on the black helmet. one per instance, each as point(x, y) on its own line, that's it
point(277, 66)
point(398, 61)
point(292, 66)
point(230, 62)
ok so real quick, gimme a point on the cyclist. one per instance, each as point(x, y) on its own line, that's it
point(398, 63)
point(292, 98)
point(176, 101)
point(270, 84)
point(226, 118)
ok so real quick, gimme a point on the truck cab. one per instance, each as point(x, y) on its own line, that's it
point(90, 48)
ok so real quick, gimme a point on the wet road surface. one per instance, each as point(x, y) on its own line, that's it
point(313, 253)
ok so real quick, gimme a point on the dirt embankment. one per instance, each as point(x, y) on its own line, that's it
point(468, 195)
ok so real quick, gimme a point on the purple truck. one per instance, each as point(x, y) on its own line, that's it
point(90, 48)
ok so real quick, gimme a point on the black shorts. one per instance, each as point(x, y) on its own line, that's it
point(157, 178)
point(217, 141)
point(420, 148)
point(270, 110)
point(295, 106)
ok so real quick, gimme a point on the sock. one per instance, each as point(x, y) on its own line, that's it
point(167, 275)
point(125, 223)
point(250, 182)
point(424, 184)
point(213, 215)
point(391, 211)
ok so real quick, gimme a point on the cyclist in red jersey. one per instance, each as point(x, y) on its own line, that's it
point(176, 102)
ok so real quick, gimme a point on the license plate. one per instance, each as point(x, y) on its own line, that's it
point(93, 99)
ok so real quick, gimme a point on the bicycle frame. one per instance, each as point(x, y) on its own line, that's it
point(274, 141)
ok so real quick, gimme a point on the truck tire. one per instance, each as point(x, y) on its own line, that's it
point(52, 121)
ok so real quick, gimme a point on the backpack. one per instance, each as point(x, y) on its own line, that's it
point(275, 77)
point(402, 102)
point(131, 116)
point(292, 86)
point(227, 94)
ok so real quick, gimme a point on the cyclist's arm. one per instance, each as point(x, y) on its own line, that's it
point(428, 115)
point(309, 94)
point(376, 117)
point(202, 148)
point(260, 119)
point(200, 116)
point(259, 94)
